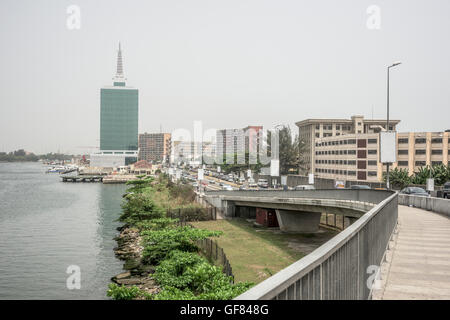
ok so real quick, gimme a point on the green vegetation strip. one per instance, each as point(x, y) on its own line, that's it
point(256, 254)
point(181, 272)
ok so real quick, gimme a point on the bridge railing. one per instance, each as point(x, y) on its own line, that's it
point(343, 267)
point(370, 196)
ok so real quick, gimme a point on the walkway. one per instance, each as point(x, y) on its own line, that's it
point(420, 259)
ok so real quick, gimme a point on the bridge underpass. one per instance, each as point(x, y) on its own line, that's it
point(297, 211)
point(340, 268)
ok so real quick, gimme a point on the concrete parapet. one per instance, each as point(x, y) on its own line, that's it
point(438, 205)
point(298, 221)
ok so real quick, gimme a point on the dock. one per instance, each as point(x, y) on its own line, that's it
point(82, 178)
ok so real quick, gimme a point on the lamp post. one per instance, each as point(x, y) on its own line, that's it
point(387, 119)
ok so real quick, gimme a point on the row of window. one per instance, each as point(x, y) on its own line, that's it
point(421, 140)
point(422, 151)
point(420, 163)
point(361, 174)
point(344, 152)
point(347, 162)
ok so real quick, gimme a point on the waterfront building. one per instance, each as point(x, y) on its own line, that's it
point(355, 157)
point(118, 122)
point(312, 129)
point(155, 147)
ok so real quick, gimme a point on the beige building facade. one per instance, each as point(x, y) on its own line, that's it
point(355, 157)
point(155, 147)
point(312, 129)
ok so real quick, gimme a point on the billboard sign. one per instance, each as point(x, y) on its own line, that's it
point(274, 168)
point(388, 141)
point(200, 174)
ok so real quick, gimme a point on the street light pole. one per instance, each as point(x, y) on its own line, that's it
point(387, 119)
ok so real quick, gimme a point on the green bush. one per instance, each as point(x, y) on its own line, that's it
point(140, 206)
point(156, 224)
point(123, 293)
point(158, 243)
point(185, 275)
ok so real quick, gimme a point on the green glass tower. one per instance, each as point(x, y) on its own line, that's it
point(119, 110)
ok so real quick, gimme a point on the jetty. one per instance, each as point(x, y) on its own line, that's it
point(82, 178)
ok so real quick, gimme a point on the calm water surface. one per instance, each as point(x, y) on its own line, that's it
point(47, 225)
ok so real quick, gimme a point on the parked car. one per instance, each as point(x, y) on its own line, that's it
point(360, 186)
point(227, 187)
point(304, 187)
point(446, 190)
point(415, 191)
point(263, 183)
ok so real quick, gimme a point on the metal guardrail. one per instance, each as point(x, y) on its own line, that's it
point(339, 268)
point(438, 205)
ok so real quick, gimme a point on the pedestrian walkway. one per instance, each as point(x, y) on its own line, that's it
point(419, 265)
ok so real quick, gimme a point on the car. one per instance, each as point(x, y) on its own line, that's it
point(227, 187)
point(360, 187)
point(446, 190)
point(304, 187)
point(241, 180)
point(415, 191)
point(242, 188)
point(230, 180)
point(263, 183)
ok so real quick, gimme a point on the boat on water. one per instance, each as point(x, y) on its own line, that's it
point(62, 169)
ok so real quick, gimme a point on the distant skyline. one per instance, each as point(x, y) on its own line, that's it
point(227, 63)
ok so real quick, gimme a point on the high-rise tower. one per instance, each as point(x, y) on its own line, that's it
point(118, 122)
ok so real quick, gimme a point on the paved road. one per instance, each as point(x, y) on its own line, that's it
point(420, 261)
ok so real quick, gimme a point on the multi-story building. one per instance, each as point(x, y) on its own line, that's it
point(238, 141)
point(355, 157)
point(118, 122)
point(418, 149)
point(312, 129)
point(192, 152)
point(155, 147)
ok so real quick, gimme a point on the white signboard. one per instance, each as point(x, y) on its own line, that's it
point(218, 169)
point(311, 178)
point(249, 173)
point(388, 146)
point(200, 174)
point(339, 184)
point(430, 184)
point(283, 180)
point(274, 168)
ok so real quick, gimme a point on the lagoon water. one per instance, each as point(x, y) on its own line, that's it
point(47, 225)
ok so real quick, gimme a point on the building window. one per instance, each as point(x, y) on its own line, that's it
point(420, 163)
point(436, 140)
point(436, 151)
point(362, 175)
point(351, 162)
point(436, 163)
point(362, 154)
point(421, 140)
point(403, 151)
point(317, 135)
point(372, 141)
point(403, 140)
point(403, 163)
point(372, 173)
point(351, 173)
point(421, 151)
point(338, 127)
point(372, 151)
point(362, 164)
point(317, 126)
point(352, 141)
point(351, 151)
point(362, 143)
point(372, 162)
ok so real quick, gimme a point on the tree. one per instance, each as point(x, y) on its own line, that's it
point(289, 150)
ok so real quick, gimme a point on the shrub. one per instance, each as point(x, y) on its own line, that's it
point(123, 293)
point(138, 207)
point(158, 243)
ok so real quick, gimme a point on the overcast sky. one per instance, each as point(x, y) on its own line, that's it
point(228, 63)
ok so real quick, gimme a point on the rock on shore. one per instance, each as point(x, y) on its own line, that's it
point(137, 274)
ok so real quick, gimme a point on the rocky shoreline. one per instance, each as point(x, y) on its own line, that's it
point(136, 273)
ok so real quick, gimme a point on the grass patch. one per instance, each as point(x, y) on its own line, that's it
point(254, 253)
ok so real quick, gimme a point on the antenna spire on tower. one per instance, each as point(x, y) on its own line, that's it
point(119, 77)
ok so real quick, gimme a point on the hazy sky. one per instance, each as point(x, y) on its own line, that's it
point(228, 63)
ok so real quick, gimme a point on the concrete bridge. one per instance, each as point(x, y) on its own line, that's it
point(297, 211)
